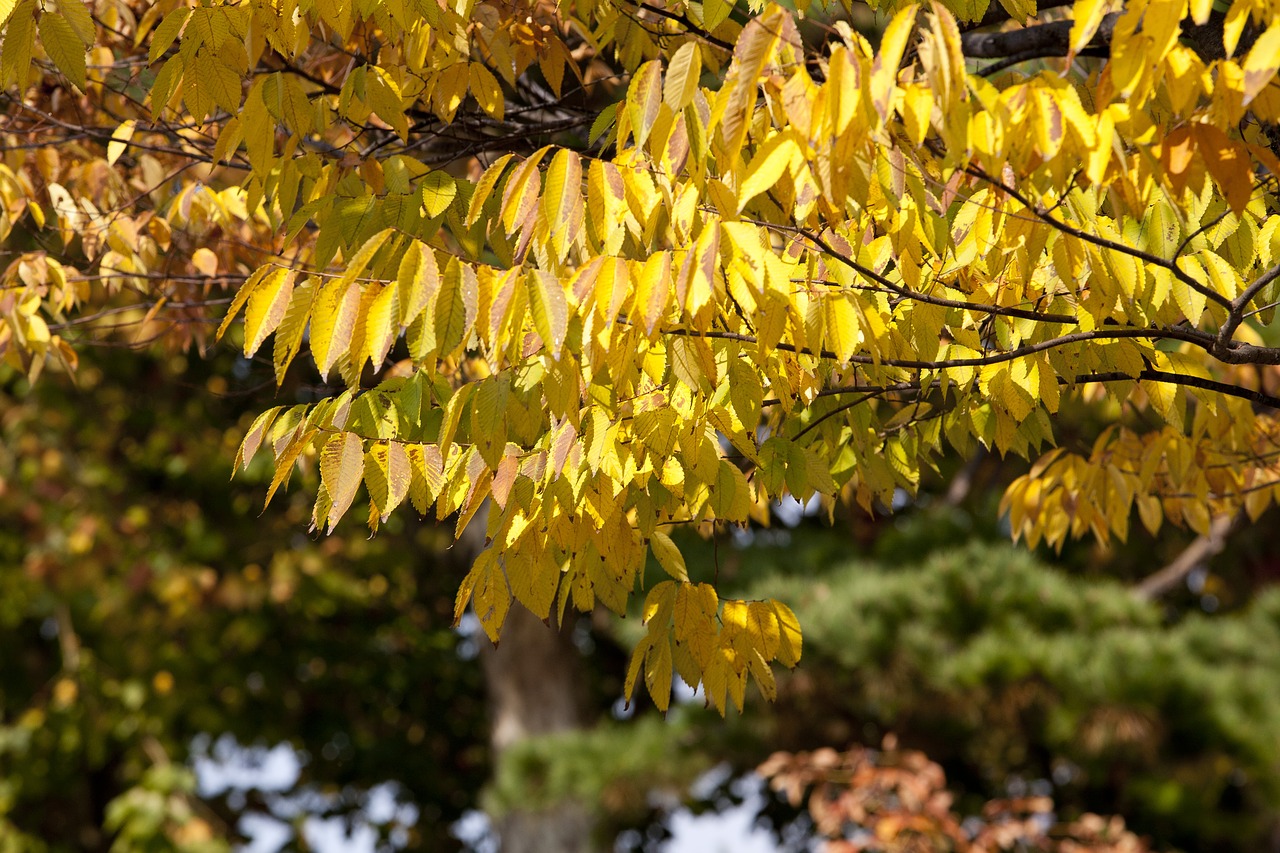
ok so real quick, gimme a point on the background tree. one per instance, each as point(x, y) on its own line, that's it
point(147, 604)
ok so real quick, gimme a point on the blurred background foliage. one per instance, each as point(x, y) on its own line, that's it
point(145, 600)
point(146, 606)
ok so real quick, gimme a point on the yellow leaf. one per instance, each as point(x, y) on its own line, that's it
point(1087, 16)
point(267, 306)
point(360, 259)
point(842, 325)
point(790, 642)
point(119, 141)
point(289, 332)
point(698, 275)
point(167, 31)
point(205, 261)
point(730, 495)
point(80, 18)
point(1262, 62)
point(393, 463)
point(534, 581)
point(1238, 15)
point(427, 475)
point(652, 291)
point(1151, 513)
point(438, 192)
point(386, 101)
point(417, 280)
point(449, 89)
point(453, 416)
point(763, 627)
point(917, 109)
point(774, 157)
point(484, 187)
point(689, 364)
point(751, 54)
point(716, 12)
point(668, 556)
point(341, 470)
point(884, 70)
point(455, 308)
point(693, 619)
point(746, 394)
point(380, 327)
point(683, 73)
point(241, 297)
point(1048, 123)
point(1191, 302)
point(489, 420)
point(659, 605)
point(491, 597)
point(1020, 10)
point(550, 310)
point(643, 100)
point(288, 459)
point(333, 318)
point(520, 198)
point(844, 88)
point(635, 666)
point(253, 438)
point(485, 89)
point(562, 200)
point(657, 673)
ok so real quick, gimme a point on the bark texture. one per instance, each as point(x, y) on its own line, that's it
point(534, 689)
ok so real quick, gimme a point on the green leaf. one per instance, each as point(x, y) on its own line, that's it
point(166, 32)
point(77, 14)
point(602, 123)
point(64, 47)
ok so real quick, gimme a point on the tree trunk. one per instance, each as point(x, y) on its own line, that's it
point(533, 683)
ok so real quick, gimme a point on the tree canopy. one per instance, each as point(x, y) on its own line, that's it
point(611, 267)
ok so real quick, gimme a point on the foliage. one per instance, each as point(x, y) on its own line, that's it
point(895, 801)
point(1008, 673)
point(803, 277)
point(616, 768)
point(998, 667)
point(143, 603)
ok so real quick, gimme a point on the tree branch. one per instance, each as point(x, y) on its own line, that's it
point(1225, 388)
point(1200, 339)
point(915, 296)
point(998, 14)
point(689, 25)
point(1196, 554)
point(1102, 242)
point(1051, 39)
point(1238, 305)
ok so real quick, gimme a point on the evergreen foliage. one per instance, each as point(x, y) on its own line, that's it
point(1007, 671)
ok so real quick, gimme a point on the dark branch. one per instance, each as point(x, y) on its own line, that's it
point(1052, 39)
point(1071, 230)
